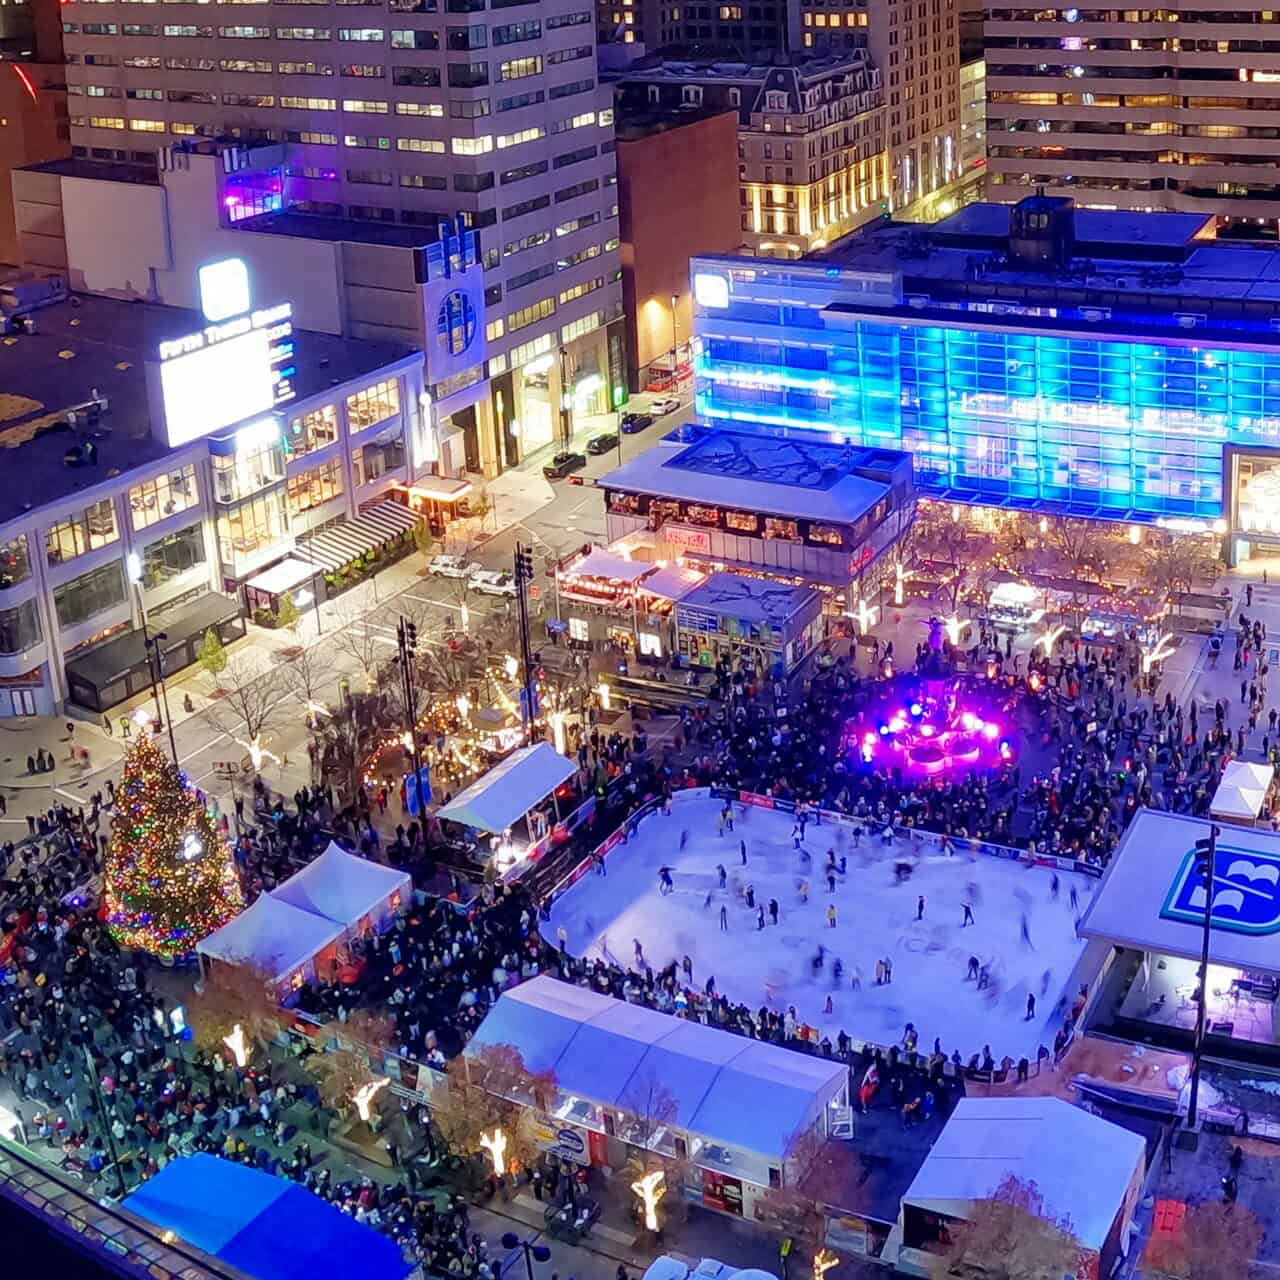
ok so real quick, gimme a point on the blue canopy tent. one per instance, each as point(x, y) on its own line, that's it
point(262, 1225)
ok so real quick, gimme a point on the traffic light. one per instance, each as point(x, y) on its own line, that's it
point(524, 565)
point(1200, 859)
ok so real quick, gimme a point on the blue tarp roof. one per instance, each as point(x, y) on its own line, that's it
point(614, 1053)
point(262, 1225)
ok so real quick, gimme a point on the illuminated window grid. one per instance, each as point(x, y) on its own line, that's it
point(1030, 419)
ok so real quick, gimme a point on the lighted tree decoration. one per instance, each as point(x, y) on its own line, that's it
point(170, 880)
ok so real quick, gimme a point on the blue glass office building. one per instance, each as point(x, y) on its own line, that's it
point(1115, 366)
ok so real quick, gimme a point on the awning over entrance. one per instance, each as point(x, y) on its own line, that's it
point(1152, 897)
point(115, 671)
point(339, 544)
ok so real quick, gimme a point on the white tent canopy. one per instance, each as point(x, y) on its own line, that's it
point(1087, 1168)
point(510, 789)
point(345, 888)
point(274, 936)
point(1242, 791)
point(744, 1093)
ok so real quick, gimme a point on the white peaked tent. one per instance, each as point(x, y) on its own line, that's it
point(348, 890)
point(281, 940)
point(1242, 793)
point(510, 789)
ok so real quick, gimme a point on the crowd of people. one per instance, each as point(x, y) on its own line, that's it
point(75, 1010)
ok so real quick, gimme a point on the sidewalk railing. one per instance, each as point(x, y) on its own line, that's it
point(125, 1242)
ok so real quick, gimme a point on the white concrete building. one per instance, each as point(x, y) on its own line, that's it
point(1176, 108)
point(380, 121)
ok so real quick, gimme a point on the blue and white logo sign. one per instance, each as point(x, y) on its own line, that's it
point(1246, 892)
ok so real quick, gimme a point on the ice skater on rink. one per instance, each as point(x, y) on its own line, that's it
point(903, 932)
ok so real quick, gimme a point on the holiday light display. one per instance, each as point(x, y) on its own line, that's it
point(169, 880)
point(931, 727)
point(495, 1144)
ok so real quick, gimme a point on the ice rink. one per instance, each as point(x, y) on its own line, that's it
point(875, 919)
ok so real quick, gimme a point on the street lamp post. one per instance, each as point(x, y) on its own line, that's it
point(133, 565)
point(532, 1252)
point(1205, 857)
point(158, 655)
point(675, 349)
point(524, 576)
point(407, 640)
point(95, 1088)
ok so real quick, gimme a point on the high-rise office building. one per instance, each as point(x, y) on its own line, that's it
point(33, 100)
point(812, 164)
point(386, 119)
point(1138, 109)
point(913, 44)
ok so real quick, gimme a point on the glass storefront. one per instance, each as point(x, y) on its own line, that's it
point(90, 594)
point(163, 496)
point(94, 527)
point(15, 562)
point(251, 527)
point(246, 473)
point(167, 557)
point(385, 452)
point(19, 627)
point(535, 423)
point(315, 430)
point(995, 410)
point(372, 405)
point(315, 487)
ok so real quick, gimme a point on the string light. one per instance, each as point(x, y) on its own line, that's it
point(495, 1144)
point(170, 879)
point(365, 1094)
point(650, 1190)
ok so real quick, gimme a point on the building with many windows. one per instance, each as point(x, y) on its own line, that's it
point(389, 120)
point(120, 500)
point(1111, 365)
point(1138, 109)
point(812, 163)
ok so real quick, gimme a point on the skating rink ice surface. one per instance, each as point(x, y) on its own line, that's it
point(876, 918)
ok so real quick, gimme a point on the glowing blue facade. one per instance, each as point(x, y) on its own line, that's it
point(1061, 408)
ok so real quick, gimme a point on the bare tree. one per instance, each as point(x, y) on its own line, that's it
point(1217, 1241)
point(944, 536)
point(232, 995)
point(1012, 1235)
point(307, 675)
point(649, 1108)
point(1177, 563)
point(817, 1172)
point(354, 638)
point(490, 1091)
point(360, 1045)
point(251, 696)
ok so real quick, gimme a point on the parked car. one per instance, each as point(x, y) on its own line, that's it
point(663, 405)
point(562, 464)
point(493, 582)
point(633, 422)
point(452, 567)
point(602, 443)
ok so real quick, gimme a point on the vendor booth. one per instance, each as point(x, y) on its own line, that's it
point(361, 896)
point(739, 618)
point(1244, 796)
point(261, 1225)
point(1147, 919)
point(291, 946)
point(263, 592)
point(1088, 1170)
point(607, 1056)
point(508, 793)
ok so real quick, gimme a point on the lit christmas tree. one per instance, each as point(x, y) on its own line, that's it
point(170, 879)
